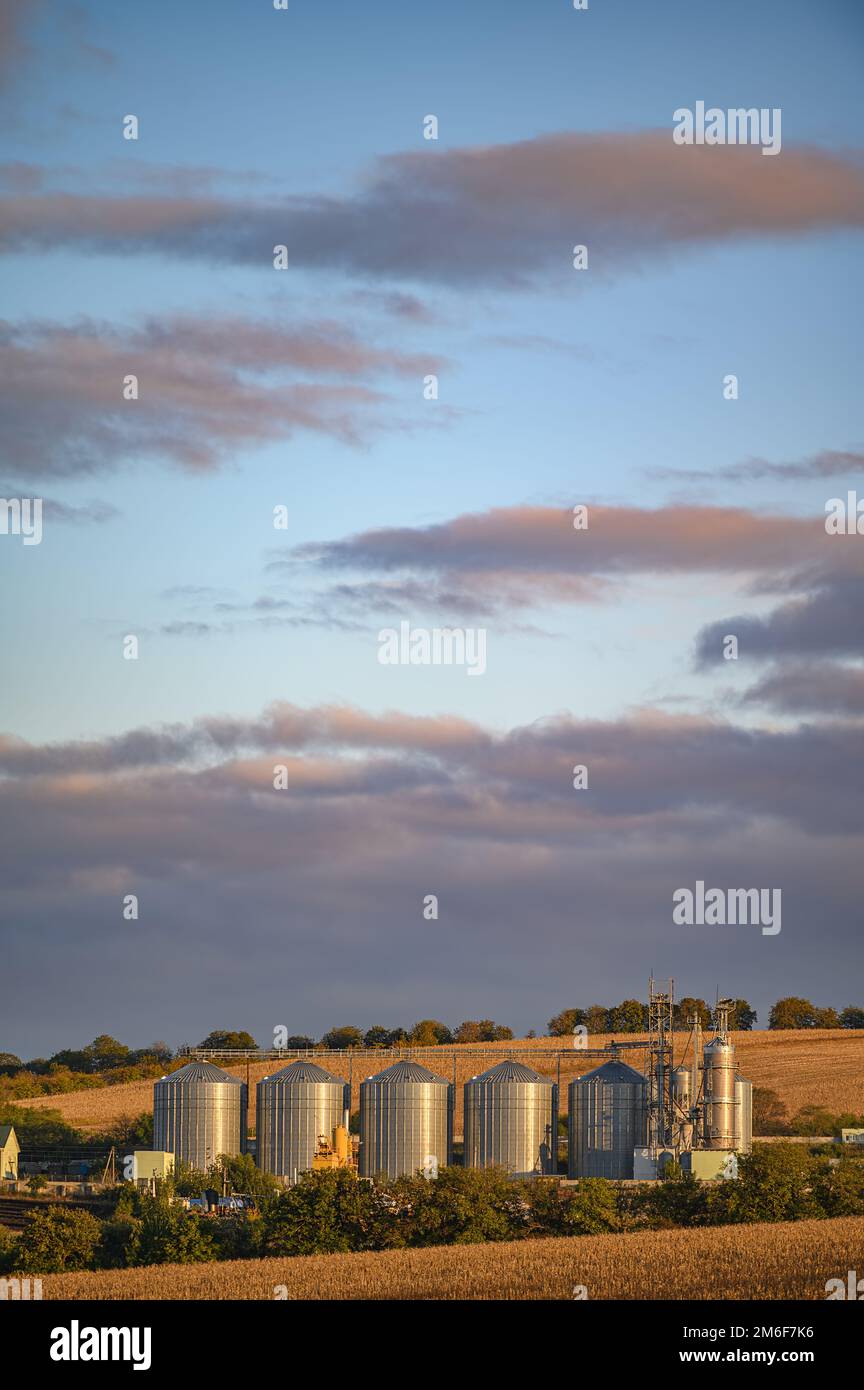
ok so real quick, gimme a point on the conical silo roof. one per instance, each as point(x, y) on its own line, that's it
point(200, 1071)
point(613, 1072)
point(303, 1071)
point(511, 1071)
point(407, 1071)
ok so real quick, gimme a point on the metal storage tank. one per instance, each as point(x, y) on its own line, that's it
point(406, 1121)
point(743, 1114)
point(682, 1092)
point(511, 1120)
point(293, 1107)
point(608, 1119)
point(199, 1112)
point(719, 1087)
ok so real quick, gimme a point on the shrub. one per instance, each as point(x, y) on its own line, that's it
point(321, 1214)
point(167, 1234)
point(591, 1209)
point(774, 1184)
point(58, 1239)
point(463, 1206)
point(840, 1191)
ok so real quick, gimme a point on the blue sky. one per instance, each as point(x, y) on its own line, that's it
point(570, 387)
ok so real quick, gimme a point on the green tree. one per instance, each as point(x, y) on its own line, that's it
point(106, 1052)
point(590, 1209)
point(840, 1191)
point(628, 1017)
point(563, 1024)
point(321, 1214)
point(597, 1019)
point(484, 1030)
point(429, 1032)
point(339, 1038)
point(59, 1239)
point(167, 1234)
point(9, 1062)
point(683, 1012)
point(188, 1181)
point(680, 1200)
point(38, 1128)
point(245, 1176)
point(9, 1256)
point(741, 1016)
point(490, 1031)
point(376, 1037)
point(792, 1012)
point(36, 1182)
point(299, 1042)
point(774, 1184)
point(131, 1132)
point(222, 1040)
point(826, 1018)
point(80, 1060)
point(852, 1017)
point(464, 1206)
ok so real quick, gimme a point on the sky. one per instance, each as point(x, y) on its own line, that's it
point(304, 391)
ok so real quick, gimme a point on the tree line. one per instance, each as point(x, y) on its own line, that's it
point(631, 1016)
point(106, 1060)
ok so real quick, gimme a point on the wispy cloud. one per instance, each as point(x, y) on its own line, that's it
point(498, 214)
point(206, 388)
point(828, 463)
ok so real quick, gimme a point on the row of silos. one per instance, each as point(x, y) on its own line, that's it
point(406, 1117)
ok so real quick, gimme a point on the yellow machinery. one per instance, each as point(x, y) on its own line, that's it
point(335, 1152)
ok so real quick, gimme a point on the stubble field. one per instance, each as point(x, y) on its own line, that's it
point(782, 1261)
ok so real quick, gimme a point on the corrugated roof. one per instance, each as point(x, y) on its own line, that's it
point(612, 1071)
point(511, 1071)
point(200, 1071)
point(407, 1071)
point(303, 1071)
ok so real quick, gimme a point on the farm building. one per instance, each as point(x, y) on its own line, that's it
point(9, 1151)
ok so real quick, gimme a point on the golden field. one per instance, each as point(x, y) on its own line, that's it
point(822, 1067)
point(787, 1260)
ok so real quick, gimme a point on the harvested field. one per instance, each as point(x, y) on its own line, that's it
point(823, 1067)
point(787, 1260)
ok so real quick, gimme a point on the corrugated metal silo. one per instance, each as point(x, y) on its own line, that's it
point(719, 1086)
point(511, 1120)
point(608, 1119)
point(682, 1093)
point(199, 1112)
point(293, 1107)
point(406, 1121)
point(743, 1114)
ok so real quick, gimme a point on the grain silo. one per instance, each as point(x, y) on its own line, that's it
point(199, 1112)
point(607, 1120)
point(681, 1091)
point(511, 1120)
point(406, 1121)
point(294, 1107)
point(743, 1114)
point(718, 1073)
